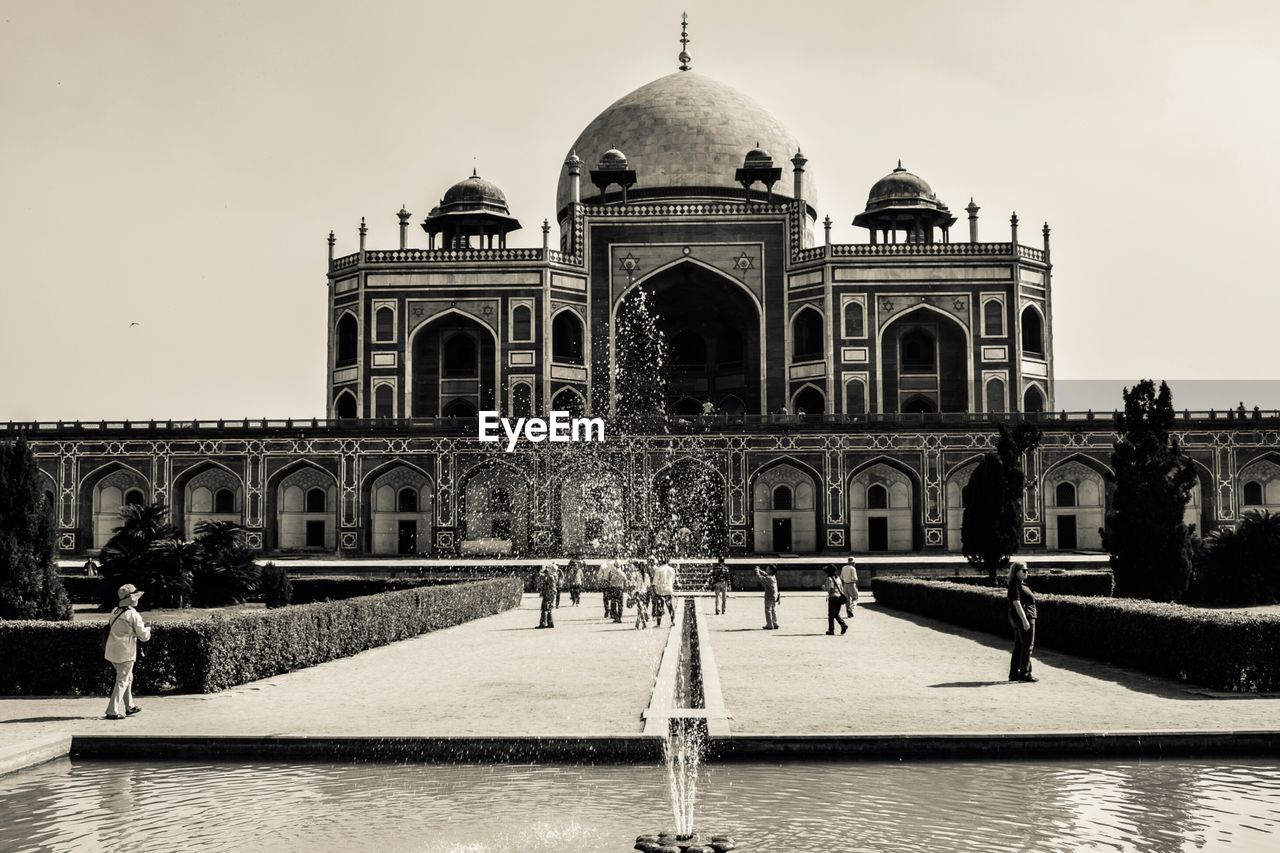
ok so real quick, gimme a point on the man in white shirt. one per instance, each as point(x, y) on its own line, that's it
point(849, 580)
point(664, 590)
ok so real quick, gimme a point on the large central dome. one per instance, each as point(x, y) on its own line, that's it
point(685, 132)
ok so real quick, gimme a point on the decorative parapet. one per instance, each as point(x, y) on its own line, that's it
point(417, 256)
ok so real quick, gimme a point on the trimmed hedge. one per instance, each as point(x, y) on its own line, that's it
point(1223, 650)
point(209, 654)
point(306, 589)
point(1087, 583)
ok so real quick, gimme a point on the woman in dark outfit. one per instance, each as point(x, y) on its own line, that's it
point(1022, 616)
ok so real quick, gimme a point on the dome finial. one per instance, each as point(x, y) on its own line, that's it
point(899, 169)
point(684, 42)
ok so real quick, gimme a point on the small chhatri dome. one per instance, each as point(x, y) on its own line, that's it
point(901, 201)
point(471, 208)
point(613, 159)
point(757, 157)
point(900, 184)
point(474, 193)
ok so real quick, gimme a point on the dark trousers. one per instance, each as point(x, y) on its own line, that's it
point(548, 602)
point(575, 595)
point(615, 603)
point(660, 603)
point(1024, 642)
point(833, 614)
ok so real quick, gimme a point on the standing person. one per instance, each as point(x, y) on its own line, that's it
point(769, 581)
point(617, 582)
point(720, 580)
point(603, 572)
point(849, 581)
point(549, 589)
point(664, 591)
point(639, 586)
point(561, 581)
point(123, 632)
point(1022, 616)
point(575, 581)
point(835, 600)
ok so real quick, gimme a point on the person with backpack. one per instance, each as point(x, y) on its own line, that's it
point(123, 632)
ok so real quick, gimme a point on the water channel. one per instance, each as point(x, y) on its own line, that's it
point(936, 806)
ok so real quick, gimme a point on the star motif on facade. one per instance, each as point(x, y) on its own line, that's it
point(744, 262)
point(959, 304)
point(629, 264)
point(488, 309)
point(886, 305)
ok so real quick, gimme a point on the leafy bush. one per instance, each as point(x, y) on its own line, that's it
point(1223, 650)
point(333, 587)
point(148, 552)
point(29, 583)
point(274, 584)
point(1087, 583)
point(204, 655)
point(1240, 566)
point(225, 572)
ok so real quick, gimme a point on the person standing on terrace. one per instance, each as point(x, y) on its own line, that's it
point(720, 580)
point(664, 590)
point(123, 632)
point(575, 581)
point(1022, 616)
point(549, 589)
point(835, 600)
point(769, 581)
point(849, 580)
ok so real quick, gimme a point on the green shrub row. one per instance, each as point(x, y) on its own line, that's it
point(212, 653)
point(306, 589)
point(1087, 583)
point(1219, 649)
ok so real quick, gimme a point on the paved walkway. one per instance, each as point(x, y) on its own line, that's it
point(893, 673)
point(495, 676)
point(897, 673)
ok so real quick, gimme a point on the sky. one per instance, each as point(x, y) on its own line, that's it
point(178, 165)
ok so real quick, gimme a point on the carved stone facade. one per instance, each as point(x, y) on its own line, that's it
point(548, 503)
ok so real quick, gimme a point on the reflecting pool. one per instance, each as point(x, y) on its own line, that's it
point(909, 806)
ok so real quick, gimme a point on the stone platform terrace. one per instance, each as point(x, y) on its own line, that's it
point(893, 674)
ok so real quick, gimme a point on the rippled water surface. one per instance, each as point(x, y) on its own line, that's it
point(922, 806)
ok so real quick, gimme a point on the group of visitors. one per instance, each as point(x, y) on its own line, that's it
point(650, 592)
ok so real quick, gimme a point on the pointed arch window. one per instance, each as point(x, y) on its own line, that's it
point(348, 335)
point(384, 322)
point(566, 338)
point(224, 501)
point(1032, 332)
point(854, 320)
point(317, 500)
point(992, 318)
point(877, 497)
point(806, 335)
point(522, 323)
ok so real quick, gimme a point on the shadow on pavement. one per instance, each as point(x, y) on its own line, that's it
point(972, 683)
point(1139, 682)
point(47, 719)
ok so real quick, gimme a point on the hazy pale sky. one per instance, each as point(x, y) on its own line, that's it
point(179, 165)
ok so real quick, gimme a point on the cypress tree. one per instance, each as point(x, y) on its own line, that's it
point(640, 381)
point(29, 584)
point(1150, 544)
point(992, 527)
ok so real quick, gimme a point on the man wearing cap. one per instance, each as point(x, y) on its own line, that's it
point(123, 632)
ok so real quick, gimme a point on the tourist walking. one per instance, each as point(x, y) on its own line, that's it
point(835, 600)
point(123, 632)
point(639, 586)
point(575, 581)
point(1022, 616)
point(769, 581)
point(720, 580)
point(549, 588)
point(849, 582)
point(664, 591)
point(561, 581)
